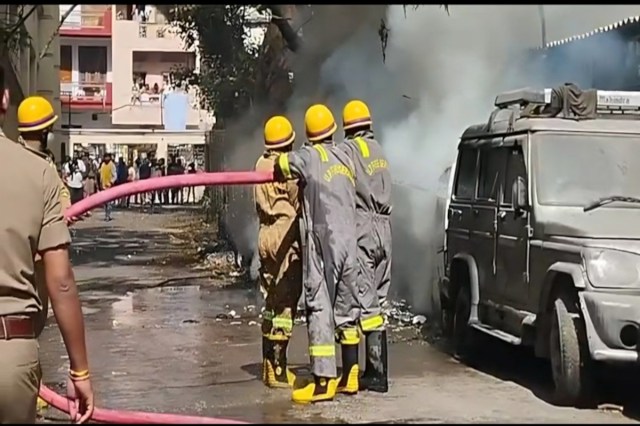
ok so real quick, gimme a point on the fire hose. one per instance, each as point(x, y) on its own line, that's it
point(154, 184)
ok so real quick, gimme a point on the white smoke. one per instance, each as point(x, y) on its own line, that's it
point(442, 73)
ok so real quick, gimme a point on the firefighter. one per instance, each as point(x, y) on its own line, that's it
point(330, 263)
point(373, 217)
point(278, 207)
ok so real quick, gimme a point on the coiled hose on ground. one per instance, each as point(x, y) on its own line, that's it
point(154, 184)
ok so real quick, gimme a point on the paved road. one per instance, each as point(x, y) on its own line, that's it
point(158, 341)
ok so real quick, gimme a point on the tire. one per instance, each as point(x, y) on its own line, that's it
point(463, 334)
point(570, 359)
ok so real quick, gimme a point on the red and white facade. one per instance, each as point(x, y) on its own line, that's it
point(104, 51)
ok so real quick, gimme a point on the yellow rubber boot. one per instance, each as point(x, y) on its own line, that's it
point(348, 383)
point(275, 371)
point(319, 390)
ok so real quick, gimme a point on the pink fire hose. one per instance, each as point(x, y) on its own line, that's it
point(101, 415)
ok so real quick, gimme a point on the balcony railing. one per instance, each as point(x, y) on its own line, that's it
point(149, 109)
point(87, 22)
point(84, 93)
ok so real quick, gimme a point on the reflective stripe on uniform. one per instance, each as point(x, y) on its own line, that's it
point(364, 148)
point(324, 157)
point(276, 337)
point(322, 350)
point(349, 336)
point(283, 163)
point(372, 323)
point(284, 323)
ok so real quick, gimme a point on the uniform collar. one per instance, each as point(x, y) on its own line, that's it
point(363, 134)
point(29, 148)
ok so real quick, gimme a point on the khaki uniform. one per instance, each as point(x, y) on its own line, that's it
point(32, 222)
point(65, 202)
point(278, 207)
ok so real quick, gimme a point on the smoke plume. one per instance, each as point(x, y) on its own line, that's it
point(441, 74)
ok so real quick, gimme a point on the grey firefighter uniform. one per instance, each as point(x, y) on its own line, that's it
point(330, 262)
point(373, 210)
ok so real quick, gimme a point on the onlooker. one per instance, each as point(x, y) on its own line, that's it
point(131, 177)
point(108, 176)
point(155, 172)
point(122, 172)
point(73, 180)
point(145, 173)
point(191, 191)
point(175, 168)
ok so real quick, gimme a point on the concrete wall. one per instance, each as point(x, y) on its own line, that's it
point(31, 74)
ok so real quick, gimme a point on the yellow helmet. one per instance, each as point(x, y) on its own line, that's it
point(355, 114)
point(35, 113)
point(319, 123)
point(278, 132)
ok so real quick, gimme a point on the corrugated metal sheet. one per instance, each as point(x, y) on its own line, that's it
point(616, 25)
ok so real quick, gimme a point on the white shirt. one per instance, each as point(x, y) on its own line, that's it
point(75, 181)
point(81, 167)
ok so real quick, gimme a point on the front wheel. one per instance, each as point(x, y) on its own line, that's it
point(463, 334)
point(570, 359)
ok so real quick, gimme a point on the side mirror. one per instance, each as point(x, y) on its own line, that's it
point(519, 195)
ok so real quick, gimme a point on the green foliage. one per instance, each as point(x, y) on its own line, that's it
point(227, 65)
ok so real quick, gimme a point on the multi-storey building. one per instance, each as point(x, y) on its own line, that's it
point(118, 84)
point(31, 69)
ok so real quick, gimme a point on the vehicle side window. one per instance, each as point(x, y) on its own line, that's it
point(466, 173)
point(492, 166)
point(515, 168)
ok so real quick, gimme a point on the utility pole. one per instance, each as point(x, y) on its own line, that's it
point(543, 25)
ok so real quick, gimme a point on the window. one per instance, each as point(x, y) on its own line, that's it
point(66, 63)
point(492, 165)
point(92, 64)
point(515, 168)
point(466, 173)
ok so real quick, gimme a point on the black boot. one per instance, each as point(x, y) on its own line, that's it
point(375, 377)
point(276, 374)
point(348, 383)
point(265, 357)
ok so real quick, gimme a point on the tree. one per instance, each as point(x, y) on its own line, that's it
point(227, 67)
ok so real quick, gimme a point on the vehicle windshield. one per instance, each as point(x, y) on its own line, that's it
point(577, 169)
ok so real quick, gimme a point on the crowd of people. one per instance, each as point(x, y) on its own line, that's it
point(84, 175)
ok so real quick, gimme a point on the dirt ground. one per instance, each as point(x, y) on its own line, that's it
point(162, 337)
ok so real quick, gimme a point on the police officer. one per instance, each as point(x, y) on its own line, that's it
point(36, 118)
point(32, 223)
point(373, 210)
point(330, 262)
point(278, 207)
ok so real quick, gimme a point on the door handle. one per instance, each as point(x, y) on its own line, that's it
point(502, 214)
point(455, 213)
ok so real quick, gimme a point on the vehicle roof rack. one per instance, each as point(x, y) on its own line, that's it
point(607, 100)
point(523, 97)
